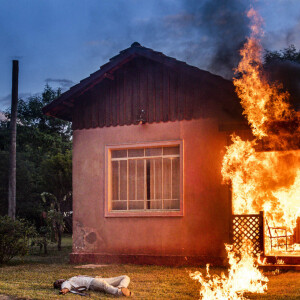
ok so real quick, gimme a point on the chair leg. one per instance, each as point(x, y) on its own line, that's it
point(286, 243)
point(271, 244)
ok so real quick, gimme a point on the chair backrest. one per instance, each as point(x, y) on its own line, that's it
point(269, 229)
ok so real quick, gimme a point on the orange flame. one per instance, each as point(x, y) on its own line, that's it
point(268, 181)
point(262, 101)
point(243, 276)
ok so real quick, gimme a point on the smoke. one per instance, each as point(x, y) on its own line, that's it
point(224, 26)
point(287, 73)
point(207, 33)
point(63, 83)
point(292, 36)
point(227, 24)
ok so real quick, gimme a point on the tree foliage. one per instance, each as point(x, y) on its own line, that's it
point(57, 174)
point(283, 67)
point(42, 142)
point(14, 238)
point(287, 54)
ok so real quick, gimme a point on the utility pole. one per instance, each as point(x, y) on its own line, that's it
point(13, 144)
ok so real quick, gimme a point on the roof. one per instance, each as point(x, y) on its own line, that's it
point(62, 107)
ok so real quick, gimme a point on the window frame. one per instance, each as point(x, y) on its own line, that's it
point(141, 213)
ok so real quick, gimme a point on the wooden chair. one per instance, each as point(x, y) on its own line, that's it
point(280, 233)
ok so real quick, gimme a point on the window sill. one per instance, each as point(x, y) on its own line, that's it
point(142, 213)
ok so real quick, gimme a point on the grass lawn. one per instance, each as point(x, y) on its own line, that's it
point(32, 278)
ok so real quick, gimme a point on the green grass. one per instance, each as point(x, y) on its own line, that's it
point(32, 278)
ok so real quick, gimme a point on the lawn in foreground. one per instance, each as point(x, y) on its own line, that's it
point(32, 278)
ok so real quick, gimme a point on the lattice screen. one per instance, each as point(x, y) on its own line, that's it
point(248, 227)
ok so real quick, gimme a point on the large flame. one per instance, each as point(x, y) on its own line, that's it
point(268, 181)
point(243, 276)
point(263, 102)
point(264, 181)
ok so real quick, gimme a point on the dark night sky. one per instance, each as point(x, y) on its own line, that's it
point(63, 41)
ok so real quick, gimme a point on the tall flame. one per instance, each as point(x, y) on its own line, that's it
point(262, 102)
point(267, 181)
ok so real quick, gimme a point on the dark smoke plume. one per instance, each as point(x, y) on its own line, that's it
point(287, 73)
point(226, 26)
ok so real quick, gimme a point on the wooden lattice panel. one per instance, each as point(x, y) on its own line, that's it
point(247, 227)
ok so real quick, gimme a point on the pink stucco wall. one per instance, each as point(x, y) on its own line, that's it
point(203, 229)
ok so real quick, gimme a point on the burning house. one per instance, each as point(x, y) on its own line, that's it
point(264, 170)
point(149, 136)
point(149, 140)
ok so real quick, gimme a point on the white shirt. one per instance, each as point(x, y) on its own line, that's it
point(77, 281)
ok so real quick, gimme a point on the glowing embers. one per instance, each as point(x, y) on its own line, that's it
point(243, 276)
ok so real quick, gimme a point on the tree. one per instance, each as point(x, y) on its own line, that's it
point(287, 54)
point(57, 178)
point(30, 114)
point(284, 67)
point(39, 138)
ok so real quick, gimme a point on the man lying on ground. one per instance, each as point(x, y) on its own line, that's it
point(115, 285)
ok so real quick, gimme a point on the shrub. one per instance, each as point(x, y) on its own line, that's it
point(14, 238)
point(41, 238)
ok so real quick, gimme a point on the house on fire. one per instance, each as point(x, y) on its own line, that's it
point(149, 135)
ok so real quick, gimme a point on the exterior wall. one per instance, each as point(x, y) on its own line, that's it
point(196, 237)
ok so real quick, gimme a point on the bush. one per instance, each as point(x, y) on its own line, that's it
point(14, 238)
point(41, 238)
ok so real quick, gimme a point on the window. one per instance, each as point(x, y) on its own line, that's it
point(144, 178)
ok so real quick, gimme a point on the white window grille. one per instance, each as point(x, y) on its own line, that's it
point(145, 179)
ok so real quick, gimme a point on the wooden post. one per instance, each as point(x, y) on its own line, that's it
point(13, 136)
point(230, 214)
point(261, 232)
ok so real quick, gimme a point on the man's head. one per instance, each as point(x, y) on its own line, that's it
point(57, 284)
